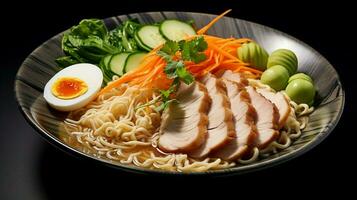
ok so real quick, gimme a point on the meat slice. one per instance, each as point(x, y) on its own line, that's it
point(236, 77)
point(267, 118)
point(184, 125)
point(244, 117)
point(267, 114)
point(220, 118)
point(281, 103)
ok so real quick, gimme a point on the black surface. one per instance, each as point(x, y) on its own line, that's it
point(30, 168)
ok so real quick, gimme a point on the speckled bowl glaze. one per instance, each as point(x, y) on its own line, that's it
point(40, 66)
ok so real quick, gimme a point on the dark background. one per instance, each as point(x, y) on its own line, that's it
point(30, 168)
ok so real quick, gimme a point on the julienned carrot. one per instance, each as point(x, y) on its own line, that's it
point(251, 70)
point(237, 43)
point(223, 52)
point(209, 25)
point(221, 55)
point(150, 76)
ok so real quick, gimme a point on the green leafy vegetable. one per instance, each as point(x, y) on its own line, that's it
point(66, 61)
point(90, 27)
point(86, 42)
point(165, 99)
point(90, 41)
point(175, 68)
point(128, 33)
point(166, 96)
point(115, 38)
point(192, 50)
point(170, 48)
point(165, 104)
point(184, 75)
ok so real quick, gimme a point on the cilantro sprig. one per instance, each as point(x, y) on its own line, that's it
point(175, 54)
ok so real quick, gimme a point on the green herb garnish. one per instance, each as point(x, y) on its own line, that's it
point(175, 53)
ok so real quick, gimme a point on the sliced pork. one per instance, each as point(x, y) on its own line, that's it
point(280, 102)
point(220, 118)
point(184, 125)
point(244, 117)
point(267, 118)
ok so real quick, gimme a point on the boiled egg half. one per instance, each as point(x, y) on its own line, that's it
point(73, 87)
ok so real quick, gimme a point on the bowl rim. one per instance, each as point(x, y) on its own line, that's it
point(55, 141)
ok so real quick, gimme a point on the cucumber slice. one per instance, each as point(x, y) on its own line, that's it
point(133, 61)
point(176, 30)
point(150, 36)
point(106, 60)
point(140, 44)
point(117, 63)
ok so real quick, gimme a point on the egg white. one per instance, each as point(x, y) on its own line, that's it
point(88, 73)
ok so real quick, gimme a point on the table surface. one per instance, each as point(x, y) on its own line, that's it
point(30, 168)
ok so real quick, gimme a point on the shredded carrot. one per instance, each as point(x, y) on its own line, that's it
point(221, 54)
point(235, 43)
point(209, 25)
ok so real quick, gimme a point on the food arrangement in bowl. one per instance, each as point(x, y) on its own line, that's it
point(167, 96)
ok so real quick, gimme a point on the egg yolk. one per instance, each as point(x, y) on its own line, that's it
point(69, 87)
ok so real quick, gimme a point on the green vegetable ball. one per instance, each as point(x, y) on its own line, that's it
point(253, 54)
point(276, 77)
point(301, 76)
point(301, 91)
point(285, 58)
